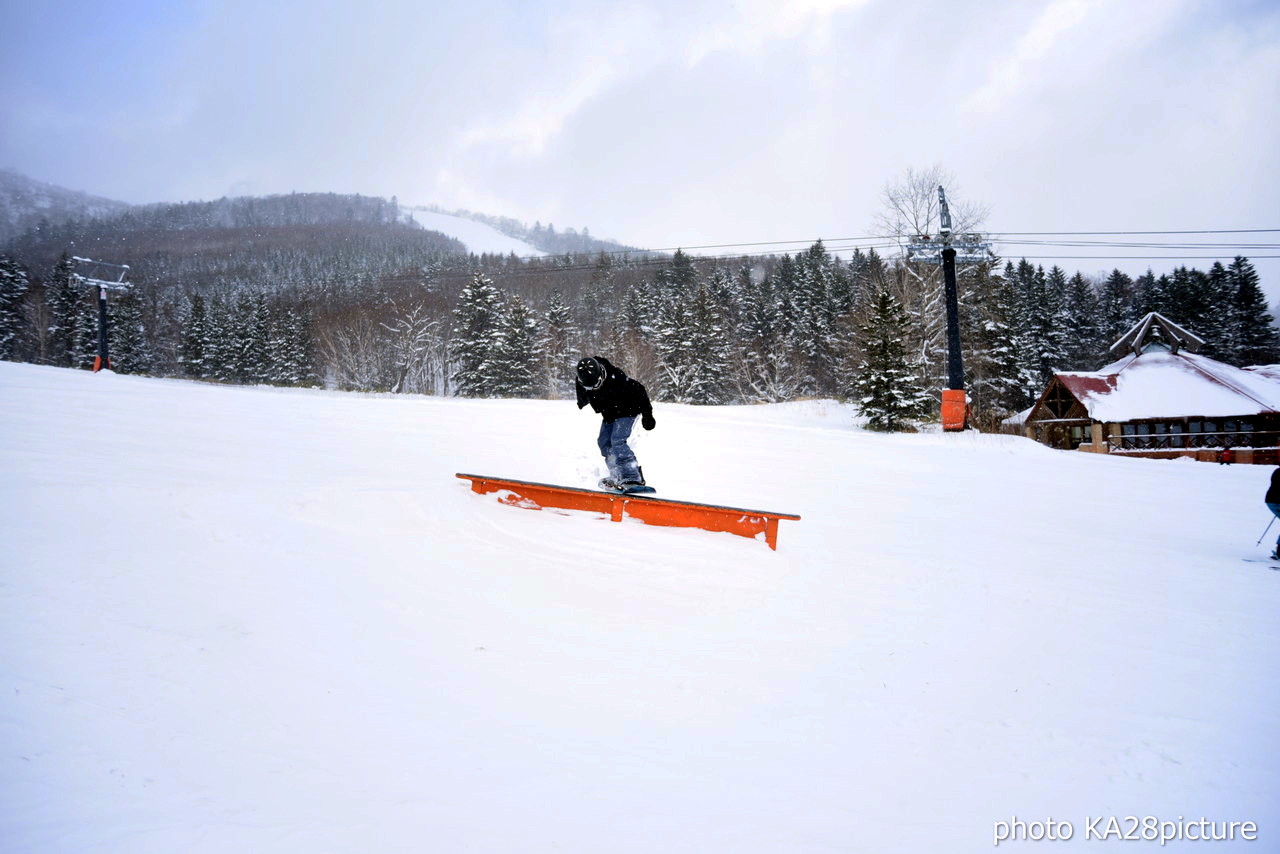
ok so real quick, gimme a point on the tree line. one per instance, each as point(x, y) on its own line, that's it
point(389, 310)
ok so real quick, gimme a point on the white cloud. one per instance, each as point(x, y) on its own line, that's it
point(760, 22)
point(453, 191)
point(586, 57)
point(543, 116)
point(600, 53)
point(1010, 74)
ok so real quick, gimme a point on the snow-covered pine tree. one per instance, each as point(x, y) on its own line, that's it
point(288, 357)
point(637, 312)
point(251, 339)
point(63, 298)
point(1083, 338)
point(84, 338)
point(671, 341)
point(1217, 330)
point(1190, 300)
point(557, 346)
point(859, 272)
point(1146, 294)
point(598, 299)
point(1023, 293)
point(999, 373)
point(476, 321)
point(220, 350)
point(709, 352)
point(814, 302)
point(191, 349)
point(785, 278)
point(723, 287)
point(767, 373)
point(13, 294)
point(1053, 338)
point(887, 389)
point(1116, 309)
point(1256, 333)
point(129, 345)
point(678, 279)
point(513, 365)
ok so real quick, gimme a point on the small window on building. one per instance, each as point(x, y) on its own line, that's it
point(1193, 427)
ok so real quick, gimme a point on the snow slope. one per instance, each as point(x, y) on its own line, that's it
point(478, 237)
point(272, 620)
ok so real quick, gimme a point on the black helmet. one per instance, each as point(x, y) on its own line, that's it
point(591, 373)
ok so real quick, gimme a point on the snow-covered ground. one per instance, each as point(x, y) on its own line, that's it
point(478, 237)
point(274, 621)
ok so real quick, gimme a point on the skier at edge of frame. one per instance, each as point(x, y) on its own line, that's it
point(1272, 500)
point(620, 400)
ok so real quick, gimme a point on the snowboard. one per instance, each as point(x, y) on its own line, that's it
point(610, 485)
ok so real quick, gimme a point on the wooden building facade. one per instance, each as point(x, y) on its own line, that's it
point(1162, 400)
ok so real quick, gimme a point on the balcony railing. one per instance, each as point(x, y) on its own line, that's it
point(1183, 441)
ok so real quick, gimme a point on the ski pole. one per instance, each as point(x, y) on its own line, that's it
point(1264, 533)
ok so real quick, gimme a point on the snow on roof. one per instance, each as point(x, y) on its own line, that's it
point(1271, 372)
point(1020, 418)
point(1160, 384)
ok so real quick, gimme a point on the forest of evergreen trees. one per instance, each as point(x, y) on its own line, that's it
point(296, 294)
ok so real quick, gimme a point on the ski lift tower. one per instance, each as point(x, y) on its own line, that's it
point(946, 249)
point(117, 283)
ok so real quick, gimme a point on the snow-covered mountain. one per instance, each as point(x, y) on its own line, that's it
point(251, 619)
point(24, 202)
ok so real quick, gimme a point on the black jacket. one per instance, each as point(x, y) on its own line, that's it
point(619, 397)
point(1273, 494)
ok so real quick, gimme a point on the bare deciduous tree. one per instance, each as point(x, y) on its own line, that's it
point(911, 210)
point(354, 353)
point(416, 350)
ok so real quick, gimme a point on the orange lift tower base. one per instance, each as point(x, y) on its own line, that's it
point(955, 410)
point(646, 508)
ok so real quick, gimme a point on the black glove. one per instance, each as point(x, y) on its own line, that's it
point(647, 422)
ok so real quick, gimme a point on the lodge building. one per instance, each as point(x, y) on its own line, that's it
point(1161, 399)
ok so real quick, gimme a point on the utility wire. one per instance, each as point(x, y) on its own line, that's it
point(545, 265)
point(893, 241)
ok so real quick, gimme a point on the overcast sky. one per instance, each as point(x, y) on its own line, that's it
point(666, 123)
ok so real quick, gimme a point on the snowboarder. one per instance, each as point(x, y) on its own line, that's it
point(620, 400)
point(1273, 504)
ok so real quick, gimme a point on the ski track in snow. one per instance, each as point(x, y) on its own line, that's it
point(274, 621)
point(477, 236)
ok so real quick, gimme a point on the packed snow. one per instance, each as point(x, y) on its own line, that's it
point(479, 238)
point(252, 619)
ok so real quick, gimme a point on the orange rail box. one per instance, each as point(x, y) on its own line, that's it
point(646, 508)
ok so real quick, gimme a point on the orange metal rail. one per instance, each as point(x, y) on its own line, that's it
point(646, 508)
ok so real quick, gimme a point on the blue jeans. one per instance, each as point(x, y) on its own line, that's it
point(617, 453)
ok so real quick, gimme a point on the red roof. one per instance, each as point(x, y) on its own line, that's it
point(1085, 385)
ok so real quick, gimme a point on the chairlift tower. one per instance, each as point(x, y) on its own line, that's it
point(946, 249)
point(103, 359)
